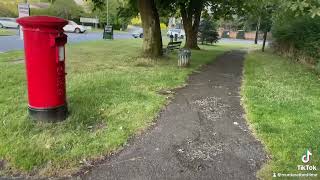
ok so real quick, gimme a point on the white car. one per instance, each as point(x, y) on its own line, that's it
point(176, 32)
point(74, 27)
point(8, 23)
point(137, 35)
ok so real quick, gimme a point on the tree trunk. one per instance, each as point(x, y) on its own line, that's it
point(191, 37)
point(152, 40)
point(265, 35)
point(191, 14)
point(257, 31)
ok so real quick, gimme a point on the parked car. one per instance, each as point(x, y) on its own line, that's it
point(8, 23)
point(74, 27)
point(176, 32)
point(138, 33)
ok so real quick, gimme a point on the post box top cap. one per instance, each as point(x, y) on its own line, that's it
point(42, 21)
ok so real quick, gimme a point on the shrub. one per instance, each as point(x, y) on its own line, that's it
point(66, 9)
point(117, 26)
point(42, 12)
point(208, 32)
point(163, 26)
point(317, 67)
point(299, 36)
point(136, 21)
point(8, 10)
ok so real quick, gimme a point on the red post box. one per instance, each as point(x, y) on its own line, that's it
point(44, 43)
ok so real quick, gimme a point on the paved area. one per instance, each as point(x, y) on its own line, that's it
point(201, 134)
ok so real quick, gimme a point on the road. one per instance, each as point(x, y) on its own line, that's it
point(10, 43)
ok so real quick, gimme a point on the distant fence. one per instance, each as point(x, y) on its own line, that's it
point(247, 35)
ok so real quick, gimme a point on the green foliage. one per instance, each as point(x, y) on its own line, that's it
point(112, 95)
point(8, 10)
point(260, 12)
point(208, 30)
point(39, 12)
point(233, 23)
point(317, 67)
point(300, 34)
point(117, 12)
point(304, 7)
point(126, 12)
point(66, 9)
point(226, 9)
point(282, 103)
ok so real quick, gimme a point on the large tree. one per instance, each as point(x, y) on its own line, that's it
point(152, 41)
point(261, 11)
point(190, 11)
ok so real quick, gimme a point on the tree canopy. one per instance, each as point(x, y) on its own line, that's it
point(262, 12)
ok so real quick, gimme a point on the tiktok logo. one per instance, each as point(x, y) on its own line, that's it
point(307, 157)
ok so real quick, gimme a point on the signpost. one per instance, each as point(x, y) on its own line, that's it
point(24, 11)
point(108, 32)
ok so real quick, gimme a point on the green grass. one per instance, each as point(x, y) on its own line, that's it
point(112, 95)
point(283, 107)
point(5, 32)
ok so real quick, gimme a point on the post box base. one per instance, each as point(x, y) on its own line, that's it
point(49, 115)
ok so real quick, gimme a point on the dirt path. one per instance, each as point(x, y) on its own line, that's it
point(201, 134)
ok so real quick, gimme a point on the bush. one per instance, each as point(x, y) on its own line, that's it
point(66, 9)
point(317, 67)
point(208, 32)
point(163, 26)
point(116, 26)
point(8, 10)
point(299, 36)
point(42, 12)
point(136, 21)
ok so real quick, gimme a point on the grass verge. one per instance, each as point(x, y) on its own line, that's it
point(5, 32)
point(283, 107)
point(112, 95)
